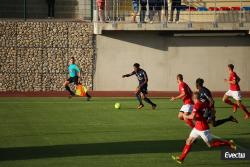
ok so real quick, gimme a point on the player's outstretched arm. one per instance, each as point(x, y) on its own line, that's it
point(128, 75)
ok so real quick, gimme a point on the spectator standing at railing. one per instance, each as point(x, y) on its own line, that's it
point(152, 9)
point(176, 5)
point(51, 8)
point(136, 4)
point(143, 10)
point(101, 6)
point(155, 7)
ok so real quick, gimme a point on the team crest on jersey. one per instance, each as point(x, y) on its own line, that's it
point(140, 76)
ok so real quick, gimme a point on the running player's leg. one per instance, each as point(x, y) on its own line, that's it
point(138, 97)
point(216, 123)
point(219, 122)
point(237, 96)
point(221, 143)
point(243, 108)
point(144, 92)
point(226, 100)
point(187, 121)
point(192, 137)
point(207, 138)
point(186, 110)
point(187, 147)
point(147, 100)
point(66, 85)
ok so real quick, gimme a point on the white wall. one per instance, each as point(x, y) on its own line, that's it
point(164, 56)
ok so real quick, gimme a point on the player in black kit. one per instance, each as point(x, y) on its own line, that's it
point(142, 89)
point(207, 98)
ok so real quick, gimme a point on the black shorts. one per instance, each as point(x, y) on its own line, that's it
point(73, 80)
point(144, 89)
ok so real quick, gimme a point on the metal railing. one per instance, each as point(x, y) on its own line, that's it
point(127, 11)
point(172, 11)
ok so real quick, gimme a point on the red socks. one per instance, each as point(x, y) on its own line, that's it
point(185, 151)
point(219, 143)
point(190, 123)
point(244, 109)
point(228, 101)
point(215, 143)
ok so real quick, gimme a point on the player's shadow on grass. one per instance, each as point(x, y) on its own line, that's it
point(243, 134)
point(133, 147)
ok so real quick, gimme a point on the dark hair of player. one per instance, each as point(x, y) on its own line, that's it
point(180, 77)
point(137, 65)
point(199, 82)
point(231, 66)
point(73, 60)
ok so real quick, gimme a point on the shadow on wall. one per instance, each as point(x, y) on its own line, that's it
point(163, 40)
point(12, 9)
point(66, 9)
point(38, 9)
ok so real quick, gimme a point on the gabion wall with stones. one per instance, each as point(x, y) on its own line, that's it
point(34, 55)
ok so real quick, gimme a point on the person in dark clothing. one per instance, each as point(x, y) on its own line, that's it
point(143, 10)
point(51, 8)
point(155, 7)
point(142, 89)
point(151, 4)
point(176, 4)
point(207, 98)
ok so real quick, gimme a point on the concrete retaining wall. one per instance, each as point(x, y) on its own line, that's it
point(164, 56)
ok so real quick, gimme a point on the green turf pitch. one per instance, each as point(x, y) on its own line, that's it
point(65, 132)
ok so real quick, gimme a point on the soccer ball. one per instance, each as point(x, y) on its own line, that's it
point(117, 105)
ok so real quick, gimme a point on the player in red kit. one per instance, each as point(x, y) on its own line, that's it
point(234, 91)
point(186, 96)
point(201, 129)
